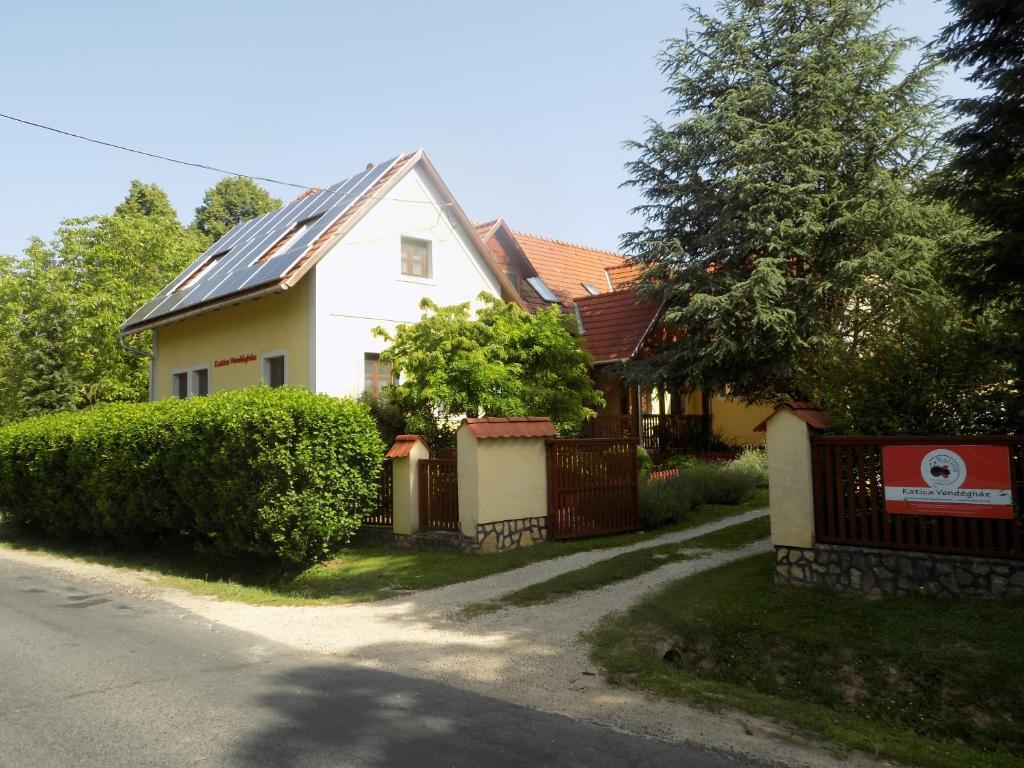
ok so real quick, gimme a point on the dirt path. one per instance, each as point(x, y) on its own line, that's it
point(530, 656)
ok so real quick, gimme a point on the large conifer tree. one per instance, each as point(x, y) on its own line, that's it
point(780, 206)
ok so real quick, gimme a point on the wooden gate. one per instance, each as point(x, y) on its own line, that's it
point(849, 501)
point(439, 495)
point(382, 514)
point(592, 487)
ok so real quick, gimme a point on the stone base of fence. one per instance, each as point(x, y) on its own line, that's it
point(878, 572)
point(509, 534)
point(490, 537)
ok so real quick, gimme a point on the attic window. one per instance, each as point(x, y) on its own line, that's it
point(202, 270)
point(542, 290)
point(416, 261)
point(590, 288)
point(513, 277)
point(288, 239)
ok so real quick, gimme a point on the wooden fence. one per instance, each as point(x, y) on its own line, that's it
point(592, 487)
point(439, 495)
point(849, 501)
point(382, 513)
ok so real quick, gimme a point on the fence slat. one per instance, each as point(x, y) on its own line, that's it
point(439, 495)
point(383, 513)
point(592, 487)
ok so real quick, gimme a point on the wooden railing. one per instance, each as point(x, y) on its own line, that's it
point(439, 495)
point(383, 513)
point(849, 501)
point(592, 487)
point(664, 432)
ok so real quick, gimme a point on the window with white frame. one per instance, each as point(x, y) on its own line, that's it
point(191, 382)
point(376, 374)
point(179, 384)
point(200, 382)
point(274, 369)
point(416, 258)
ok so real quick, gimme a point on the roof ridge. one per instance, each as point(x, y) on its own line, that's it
point(571, 245)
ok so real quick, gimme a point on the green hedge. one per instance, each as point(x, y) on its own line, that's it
point(279, 473)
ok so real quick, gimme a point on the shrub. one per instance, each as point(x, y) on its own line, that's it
point(669, 500)
point(644, 463)
point(755, 462)
point(279, 473)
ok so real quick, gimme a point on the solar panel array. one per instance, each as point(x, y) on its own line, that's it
point(236, 262)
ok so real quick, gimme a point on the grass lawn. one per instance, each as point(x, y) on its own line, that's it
point(358, 574)
point(923, 681)
point(625, 566)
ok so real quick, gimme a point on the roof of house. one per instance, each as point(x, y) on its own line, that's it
point(614, 325)
point(622, 276)
point(497, 235)
point(566, 268)
point(273, 252)
point(814, 415)
point(403, 446)
point(510, 426)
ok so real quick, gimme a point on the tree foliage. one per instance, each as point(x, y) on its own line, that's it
point(62, 303)
point(985, 174)
point(502, 362)
point(230, 201)
point(783, 193)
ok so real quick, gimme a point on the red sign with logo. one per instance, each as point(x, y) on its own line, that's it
point(960, 480)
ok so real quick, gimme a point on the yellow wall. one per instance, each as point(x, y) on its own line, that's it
point(500, 479)
point(736, 420)
point(273, 323)
point(790, 485)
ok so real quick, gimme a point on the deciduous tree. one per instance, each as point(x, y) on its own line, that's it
point(502, 361)
point(230, 201)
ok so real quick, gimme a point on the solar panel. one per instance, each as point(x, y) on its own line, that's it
point(243, 246)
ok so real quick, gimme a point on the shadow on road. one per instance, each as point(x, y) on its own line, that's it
point(333, 714)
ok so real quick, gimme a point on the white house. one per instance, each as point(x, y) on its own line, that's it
point(291, 296)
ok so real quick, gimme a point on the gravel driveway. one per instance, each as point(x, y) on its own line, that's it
point(531, 656)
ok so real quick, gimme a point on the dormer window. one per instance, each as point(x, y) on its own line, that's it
point(202, 270)
point(288, 239)
point(416, 261)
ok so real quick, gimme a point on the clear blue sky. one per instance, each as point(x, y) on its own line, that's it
point(522, 106)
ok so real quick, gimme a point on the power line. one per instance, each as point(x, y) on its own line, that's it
point(154, 155)
point(210, 167)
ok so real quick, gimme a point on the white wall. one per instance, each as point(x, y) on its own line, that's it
point(359, 284)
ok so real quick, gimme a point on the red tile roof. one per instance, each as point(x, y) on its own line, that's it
point(403, 446)
point(511, 426)
point(565, 267)
point(489, 233)
point(815, 416)
point(615, 324)
point(622, 276)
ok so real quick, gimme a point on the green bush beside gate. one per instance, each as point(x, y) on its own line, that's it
point(279, 473)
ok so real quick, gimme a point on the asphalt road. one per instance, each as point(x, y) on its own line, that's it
point(90, 677)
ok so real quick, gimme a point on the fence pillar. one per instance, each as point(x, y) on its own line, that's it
point(503, 480)
point(405, 455)
point(790, 476)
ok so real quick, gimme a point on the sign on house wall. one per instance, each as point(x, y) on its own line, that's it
point(958, 480)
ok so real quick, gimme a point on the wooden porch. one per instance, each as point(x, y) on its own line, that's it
point(663, 432)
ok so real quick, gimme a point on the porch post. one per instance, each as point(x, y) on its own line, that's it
point(639, 420)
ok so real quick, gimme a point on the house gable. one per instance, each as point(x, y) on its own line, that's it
point(271, 253)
